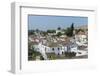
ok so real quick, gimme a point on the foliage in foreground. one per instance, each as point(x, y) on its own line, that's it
point(70, 54)
point(34, 54)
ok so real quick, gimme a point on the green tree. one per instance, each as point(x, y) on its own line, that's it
point(37, 30)
point(69, 31)
point(31, 32)
point(32, 53)
point(72, 29)
point(44, 33)
point(51, 31)
point(59, 28)
point(59, 34)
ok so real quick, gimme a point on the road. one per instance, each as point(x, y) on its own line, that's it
point(81, 57)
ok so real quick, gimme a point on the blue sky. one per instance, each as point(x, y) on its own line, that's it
point(53, 22)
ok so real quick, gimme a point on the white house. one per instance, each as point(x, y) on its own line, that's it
point(57, 31)
point(59, 47)
point(56, 48)
point(81, 37)
point(74, 48)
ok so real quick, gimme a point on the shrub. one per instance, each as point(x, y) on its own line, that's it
point(41, 58)
point(70, 54)
point(51, 56)
point(34, 54)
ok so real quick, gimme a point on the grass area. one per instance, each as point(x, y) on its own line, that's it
point(53, 56)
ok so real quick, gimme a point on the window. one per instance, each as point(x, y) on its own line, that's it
point(58, 48)
point(53, 49)
point(45, 49)
point(62, 52)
